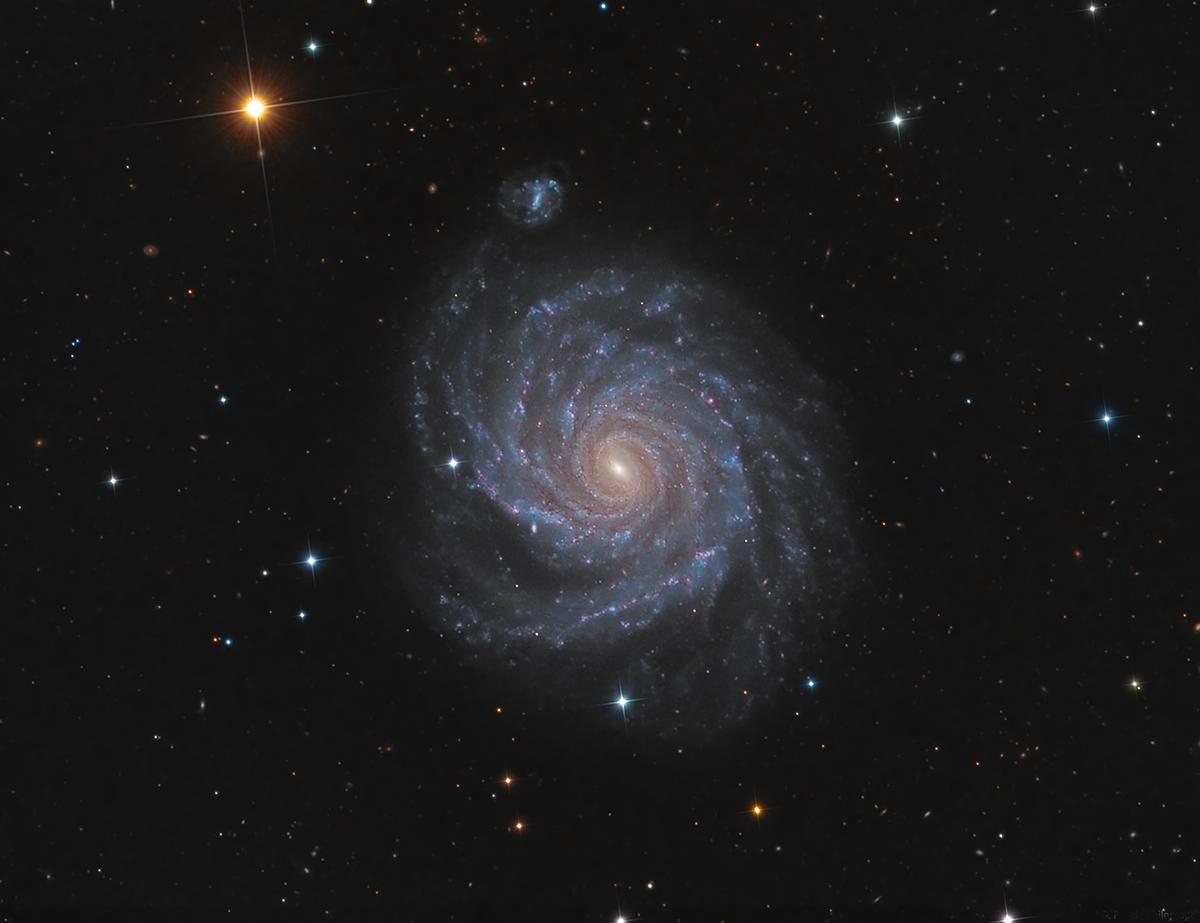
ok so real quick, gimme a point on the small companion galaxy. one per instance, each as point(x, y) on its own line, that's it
point(533, 197)
point(624, 470)
point(599, 461)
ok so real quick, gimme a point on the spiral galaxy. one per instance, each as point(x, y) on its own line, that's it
point(625, 479)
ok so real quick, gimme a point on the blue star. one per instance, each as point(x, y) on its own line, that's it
point(311, 560)
point(1107, 418)
point(622, 701)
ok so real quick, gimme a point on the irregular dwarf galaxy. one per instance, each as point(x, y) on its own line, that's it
point(533, 197)
point(625, 471)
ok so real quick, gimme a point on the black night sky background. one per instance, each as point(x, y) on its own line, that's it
point(1004, 710)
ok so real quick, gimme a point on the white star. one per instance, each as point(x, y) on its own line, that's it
point(897, 119)
point(622, 701)
point(311, 560)
point(112, 480)
point(1009, 917)
point(1107, 418)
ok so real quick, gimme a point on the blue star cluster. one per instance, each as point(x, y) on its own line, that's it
point(623, 472)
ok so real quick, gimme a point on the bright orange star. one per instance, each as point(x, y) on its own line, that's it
point(255, 108)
